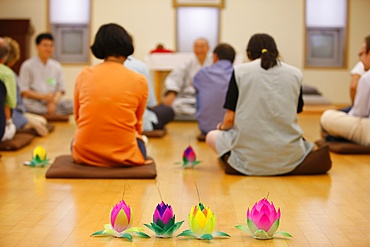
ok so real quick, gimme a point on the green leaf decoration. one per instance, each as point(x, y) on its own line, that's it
point(160, 223)
point(243, 228)
point(150, 226)
point(273, 228)
point(127, 236)
point(285, 234)
point(261, 234)
point(111, 232)
point(169, 224)
point(196, 162)
point(167, 233)
point(38, 162)
point(188, 164)
point(174, 228)
point(141, 234)
point(134, 229)
point(98, 233)
point(206, 236)
point(187, 233)
point(157, 229)
point(221, 234)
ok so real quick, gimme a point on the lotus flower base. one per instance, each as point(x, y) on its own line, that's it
point(127, 234)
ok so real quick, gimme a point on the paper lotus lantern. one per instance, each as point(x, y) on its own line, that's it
point(202, 222)
point(189, 158)
point(38, 157)
point(263, 221)
point(121, 219)
point(163, 223)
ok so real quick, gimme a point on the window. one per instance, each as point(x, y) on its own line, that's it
point(326, 47)
point(69, 21)
point(71, 43)
point(326, 30)
point(196, 22)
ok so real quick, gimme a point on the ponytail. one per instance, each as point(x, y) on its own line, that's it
point(263, 46)
point(268, 59)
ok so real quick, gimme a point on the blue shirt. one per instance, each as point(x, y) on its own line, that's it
point(140, 67)
point(211, 84)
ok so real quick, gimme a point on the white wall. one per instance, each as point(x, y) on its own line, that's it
point(153, 21)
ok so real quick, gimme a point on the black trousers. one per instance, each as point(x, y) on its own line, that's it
point(165, 114)
point(2, 111)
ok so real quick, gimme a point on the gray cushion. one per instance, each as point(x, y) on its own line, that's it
point(306, 89)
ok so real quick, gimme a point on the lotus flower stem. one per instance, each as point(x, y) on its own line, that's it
point(196, 187)
point(159, 191)
point(125, 188)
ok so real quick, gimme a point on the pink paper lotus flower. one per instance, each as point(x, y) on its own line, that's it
point(263, 220)
point(189, 157)
point(121, 219)
point(202, 222)
point(163, 223)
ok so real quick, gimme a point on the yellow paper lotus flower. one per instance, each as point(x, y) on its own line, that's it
point(202, 222)
point(39, 157)
point(39, 151)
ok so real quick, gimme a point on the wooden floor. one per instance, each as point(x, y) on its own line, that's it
point(327, 210)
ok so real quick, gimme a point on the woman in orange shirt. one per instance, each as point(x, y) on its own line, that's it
point(109, 102)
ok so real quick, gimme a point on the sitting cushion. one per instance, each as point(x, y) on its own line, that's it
point(32, 131)
point(155, 133)
point(56, 118)
point(20, 140)
point(201, 137)
point(306, 89)
point(63, 167)
point(344, 147)
point(312, 99)
point(184, 118)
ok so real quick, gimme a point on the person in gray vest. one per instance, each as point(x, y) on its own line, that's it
point(259, 134)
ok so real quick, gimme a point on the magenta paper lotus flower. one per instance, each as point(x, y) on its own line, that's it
point(202, 222)
point(163, 223)
point(121, 219)
point(263, 220)
point(189, 158)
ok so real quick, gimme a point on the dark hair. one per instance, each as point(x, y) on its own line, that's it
point(263, 46)
point(112, 40)
point(367, 41)
point(43, 36)
point(4, 48)
point(225, 51)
